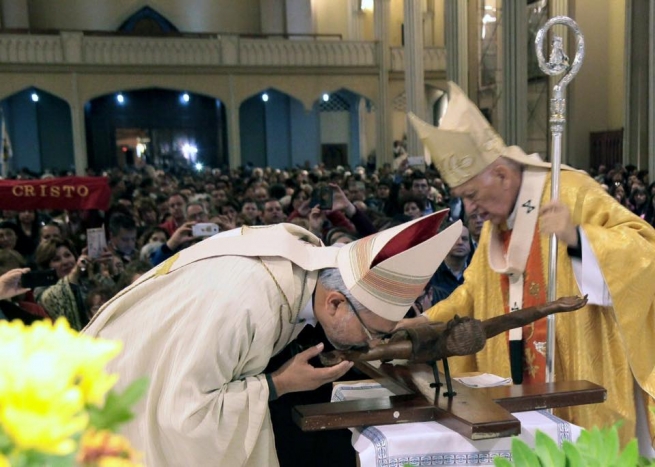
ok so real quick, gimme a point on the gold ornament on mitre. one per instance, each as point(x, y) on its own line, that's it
point(465, 143)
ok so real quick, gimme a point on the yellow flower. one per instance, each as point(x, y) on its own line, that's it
point(49, 374)
point(106, 449)
point(4, 462)
point(46, 427)
point(117, 462)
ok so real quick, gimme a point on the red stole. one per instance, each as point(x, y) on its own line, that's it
point(534, 293)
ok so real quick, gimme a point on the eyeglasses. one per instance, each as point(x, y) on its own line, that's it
point(369, 332)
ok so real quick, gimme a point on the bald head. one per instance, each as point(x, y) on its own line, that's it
point(492, 193)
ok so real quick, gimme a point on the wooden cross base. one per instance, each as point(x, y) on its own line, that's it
point(482, 413)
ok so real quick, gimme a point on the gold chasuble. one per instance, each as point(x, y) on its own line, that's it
point(610, 346)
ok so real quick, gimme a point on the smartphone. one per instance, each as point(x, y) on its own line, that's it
point(96, 242)
point(34, 279)
point(323, 197)
point(204, 229)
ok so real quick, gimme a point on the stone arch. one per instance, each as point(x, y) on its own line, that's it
point(277, 130)
point(40, 131)
point(147, 22)
point(348, 128)
point(58, 88)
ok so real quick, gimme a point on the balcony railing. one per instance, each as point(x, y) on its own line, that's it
point(78, 48)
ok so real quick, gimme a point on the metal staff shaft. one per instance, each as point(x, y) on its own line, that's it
point(558, 63)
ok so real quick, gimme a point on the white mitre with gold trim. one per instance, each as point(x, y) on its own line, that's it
point(388, 271)
point(465, 143)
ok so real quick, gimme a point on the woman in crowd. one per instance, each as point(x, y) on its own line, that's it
point(639, 200)
point(649, 216)
point(153, 235)
point(8, 235)
point(617, 190)
point(28, 233)
point(413, 208)
point(67, 297)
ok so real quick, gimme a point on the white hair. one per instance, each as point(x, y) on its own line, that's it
point(331, 279)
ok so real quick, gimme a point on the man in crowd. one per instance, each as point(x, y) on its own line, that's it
point(605, 252)
point(49, 231)
point(196, 212)
point(204, 325)
point(421, 190)
point(450, 273)
point(177, 210)
point(474, 223)
point(122, 237)
point(273, 212)
point(250, 211)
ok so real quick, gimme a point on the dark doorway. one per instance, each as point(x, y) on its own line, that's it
point(333, 155)
point(159, 127)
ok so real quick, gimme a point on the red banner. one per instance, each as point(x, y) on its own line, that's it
point(72, 193)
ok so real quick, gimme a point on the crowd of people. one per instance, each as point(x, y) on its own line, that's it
point(152, 214)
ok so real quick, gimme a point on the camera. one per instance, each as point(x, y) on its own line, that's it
point(34, 279)
point(205, 229)
point(322, 197)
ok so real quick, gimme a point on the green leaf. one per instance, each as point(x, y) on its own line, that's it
point(590, 445)
point(523, 455)
point(5, 442)
point(630, 455)
point(33, 458)
point(118, 407)
point(501, 462)
point(610, 444)
point(135, 391)
point(573, 456)
point(548, 451)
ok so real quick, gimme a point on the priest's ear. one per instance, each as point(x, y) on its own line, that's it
point(502, 172)
point(335, 300)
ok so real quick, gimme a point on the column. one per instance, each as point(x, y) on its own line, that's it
point(414, 75)
point(272, 16)
point(515, 73)
point(456, 12)
point(233, 129)
point(299, 17)
point(428, 24)
point(79, 129)
point(15, 14)
point(355, 20)
point(383, 128)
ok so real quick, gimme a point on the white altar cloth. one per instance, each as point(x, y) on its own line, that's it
point(430, 443)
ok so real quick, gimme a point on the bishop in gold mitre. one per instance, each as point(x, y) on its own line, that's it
point(605, 251)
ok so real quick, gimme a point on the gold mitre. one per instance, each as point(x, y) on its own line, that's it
point(465, 143)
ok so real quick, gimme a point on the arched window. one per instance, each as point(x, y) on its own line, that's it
point(147, 22)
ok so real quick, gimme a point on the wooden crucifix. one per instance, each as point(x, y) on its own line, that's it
point(474, 413)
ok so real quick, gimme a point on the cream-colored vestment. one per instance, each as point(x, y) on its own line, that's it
point(202, 327)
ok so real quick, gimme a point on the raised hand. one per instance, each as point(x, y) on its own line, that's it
point(316, 219)
point(555, 218)
point(298, 375)
point(181, 236)
point(340, 201)
point(224, 222)
point(10, 283)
